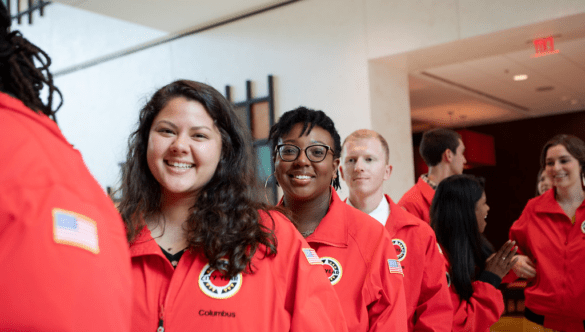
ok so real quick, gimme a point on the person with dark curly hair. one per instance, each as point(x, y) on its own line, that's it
point(458, 212)
point(551, 240)
point(205, 255)
point(356, 250)
point(65, 263)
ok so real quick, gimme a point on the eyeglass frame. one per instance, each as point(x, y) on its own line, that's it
point(278, 146)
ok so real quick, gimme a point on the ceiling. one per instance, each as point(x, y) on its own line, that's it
point(171, 16)
point(482, 90)
point(459, 84)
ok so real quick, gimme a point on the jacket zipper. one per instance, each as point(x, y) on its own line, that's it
point(161, 327)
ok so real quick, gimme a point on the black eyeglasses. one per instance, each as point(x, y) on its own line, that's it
point(316, 153)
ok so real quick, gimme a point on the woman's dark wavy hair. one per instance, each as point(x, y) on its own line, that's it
point(455, 223)
point(19, 76)
point(224, 222)
point(309, 118)
point(574, 145)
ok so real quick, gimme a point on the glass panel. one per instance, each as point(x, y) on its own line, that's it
point(264, 170)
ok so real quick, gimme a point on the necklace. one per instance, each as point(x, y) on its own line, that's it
point(308, 233)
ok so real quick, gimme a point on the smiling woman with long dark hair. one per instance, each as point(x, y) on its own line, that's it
point(205, 255)
point(458, 214)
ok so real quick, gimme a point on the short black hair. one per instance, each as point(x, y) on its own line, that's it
point(434, 142)
point(309, 118)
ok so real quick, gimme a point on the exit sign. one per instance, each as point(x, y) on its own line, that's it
point(544, 46)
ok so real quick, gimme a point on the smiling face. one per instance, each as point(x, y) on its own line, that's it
point(481, 212)
point(303, 179)
point(562, 167)
point(184, 147)
point(364, 167)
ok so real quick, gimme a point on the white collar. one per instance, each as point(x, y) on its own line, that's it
point(381, 212)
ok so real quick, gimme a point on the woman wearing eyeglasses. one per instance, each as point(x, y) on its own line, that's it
point(356, 251)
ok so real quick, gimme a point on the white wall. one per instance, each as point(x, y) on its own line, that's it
point(319, 51)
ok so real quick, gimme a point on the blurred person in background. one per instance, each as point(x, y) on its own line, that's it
point(443, 151)
point(544, 182)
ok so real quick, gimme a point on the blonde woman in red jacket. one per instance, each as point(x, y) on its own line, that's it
point(205, 256)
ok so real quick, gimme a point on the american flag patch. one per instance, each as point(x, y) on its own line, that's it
point(394, 266)
point(312, 256)
point(76, 230)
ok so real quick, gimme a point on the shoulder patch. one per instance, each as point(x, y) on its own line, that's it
point(394, 266)
point(400, 248)
point(213, 284)
point(76, 230)
point(333, 269)
point(312, 256)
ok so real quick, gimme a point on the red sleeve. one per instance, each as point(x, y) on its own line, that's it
point(310, 297)
point(484, 308)
point(384, 286)
point(434, 311)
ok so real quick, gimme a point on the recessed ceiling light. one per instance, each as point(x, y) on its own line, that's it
point(520, 77)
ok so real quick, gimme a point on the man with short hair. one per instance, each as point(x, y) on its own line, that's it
point(442, 150)
point(364, 167)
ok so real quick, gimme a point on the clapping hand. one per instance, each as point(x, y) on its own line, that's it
point(502, 261)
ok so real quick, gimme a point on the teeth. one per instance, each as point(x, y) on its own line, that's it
point(302, 177)
point(180, 165)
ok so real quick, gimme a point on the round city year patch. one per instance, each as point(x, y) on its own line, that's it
point(333, 269)
point(214, 284)
point(400, 248)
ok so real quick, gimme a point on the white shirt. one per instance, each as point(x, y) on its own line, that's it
point(380, 213)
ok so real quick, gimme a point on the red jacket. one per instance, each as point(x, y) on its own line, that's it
point(362, 265)
point(286, 292)
point(417, 200)
point(557, 247)
point(485, 307)
point(64, 259)
point(425, 286)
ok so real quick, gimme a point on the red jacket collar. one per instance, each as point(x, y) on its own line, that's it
point(10, 103)
point(427, 191)
point(144, 244)
point(547, 203)
point(398, 217)
point(332, 229)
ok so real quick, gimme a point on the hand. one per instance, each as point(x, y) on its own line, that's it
point(524, 267)
point(502, 261)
